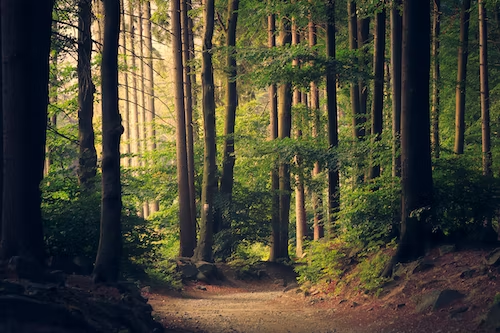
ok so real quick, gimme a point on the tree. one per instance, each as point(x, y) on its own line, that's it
point(87, 166)
point(203, 250)
point(187, 232)
point(436, 74)
point(396, 49)
point(355, 95)
point(331, 91)
point(134, 120)
point(363, 40)
point(110, 241)
point(416, 171)
point(126, 133)
point(463, 54)
point(25, 37)
point(378, 83)
point(228, 156)
point(485, 91)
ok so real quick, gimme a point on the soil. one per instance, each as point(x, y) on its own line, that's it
point(274, 303)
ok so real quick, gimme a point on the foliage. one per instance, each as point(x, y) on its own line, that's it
point(323, 260)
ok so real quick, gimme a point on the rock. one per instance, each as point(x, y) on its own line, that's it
point(445, 249)
point(354, 304)
point(201, 288)
point(188, 270)
point(25, 268)
point(493, 258)
point(400, 305)
point(85, 265)
point(437, 299)
point(467, 274)
point(8, 288)
point(492, 318)
point(201, 277)
point(207, 268)
point(454, 313)
point(422, 265)
point(291, 286)
point(71, 265)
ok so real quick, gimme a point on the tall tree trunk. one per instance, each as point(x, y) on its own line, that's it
point(134, 121)
point(53, 79)
point(110, 242)
point(300, 209)
point(273, 135)
point(363, 61)
point(436, 78)
point(126, 89)
point(87, 159)
point(415, 130)
point(187, 232)
point(1, 136)
point(284, 131)
point(357, 129)
point(314, 101)
point(378, 84)
point(25, 37)
point(396, 49)
point(188, 107)
point(150, 100)
point(463, 54)
point(209, 187)
point(194, 85)
point(228, 156)
point(333, 138)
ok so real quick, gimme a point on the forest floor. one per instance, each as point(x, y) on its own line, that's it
point(275, 303)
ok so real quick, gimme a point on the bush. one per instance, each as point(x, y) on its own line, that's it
point(323, 260)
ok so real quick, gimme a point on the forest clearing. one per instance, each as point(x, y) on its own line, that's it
point(249, 166)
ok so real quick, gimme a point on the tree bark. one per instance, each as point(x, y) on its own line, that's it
point(463, 54)
point(396, 49)
point(25, 29)
point(134, 120)
point(110, 242)
point(363, 62)
point(333, 139)
point(355, 95)
point(378, 85)
point(273, 135)
point(209, 187)
point(436, 78)
point(314, 101)
point(187, 232)
point(415, 130)
point(126, 132)
point(87, 159)
point(188, 99)
point(284, 131)
point(228, 156)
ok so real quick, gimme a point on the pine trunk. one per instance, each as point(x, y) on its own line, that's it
point(363, 62)
point(209, 186)
point(134, 120)
point(110, 242)
point(396, 49)
point(436, 78)
point(126, 89)
point(355, 95)
point(463, 54)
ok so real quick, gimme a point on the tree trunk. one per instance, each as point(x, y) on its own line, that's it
point(463, 54)
point(110, 242)
point(436, 78)
point(1, 136)
point(396, 49)
point(273, 135)
point(363, 61)
point(25, 29)
point(355, 96)
point(134, 121)
point(333, 139)
point(126, 133)
point(378, 85)
point(314, 101)
point(150, 92)
point(87, 166)
point(284, 131)
point(415, 130)
point(188, 108)
point(187, 232)
point(228, 156)
point(209, 187)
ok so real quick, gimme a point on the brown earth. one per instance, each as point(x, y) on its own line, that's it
point(275, 304)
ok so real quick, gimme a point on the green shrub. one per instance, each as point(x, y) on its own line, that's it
point(323, 260)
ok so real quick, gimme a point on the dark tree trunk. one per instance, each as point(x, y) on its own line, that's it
point(396, 49)
point(415, 130)
point(1, 136)
point(378, 84)
point(126, 121)
point(436, 78)
point(333, 138)
point(187, 231)
point(273, 135)
point(134, 126)
point(87, 154)
point(228, 156)
point(463, 54)
point(209, 187)
point(110, 242)
point(363, 62)
point(188, 99)
point(26, 30)
point(357, 118)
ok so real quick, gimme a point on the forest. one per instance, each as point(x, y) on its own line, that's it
point(348, 150)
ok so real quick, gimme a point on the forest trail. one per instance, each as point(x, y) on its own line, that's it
point(274, 303)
